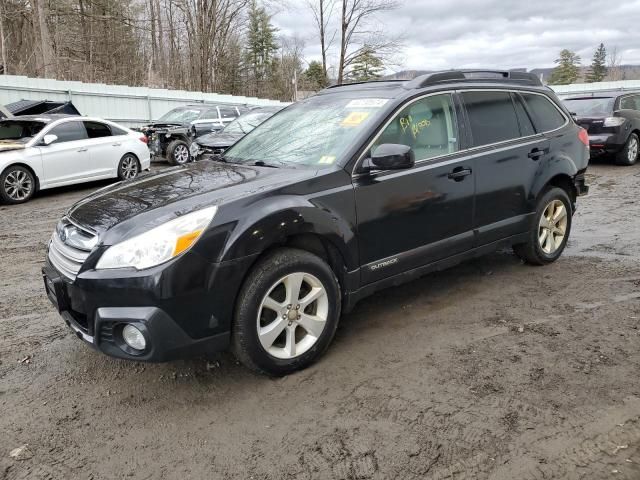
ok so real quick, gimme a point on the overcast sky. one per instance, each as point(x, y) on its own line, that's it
point(441, 34)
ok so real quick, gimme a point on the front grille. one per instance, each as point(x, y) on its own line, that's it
point(106, 332)
point(65, 258)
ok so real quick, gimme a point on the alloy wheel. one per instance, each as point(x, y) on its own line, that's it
point(292, 315)
point(552, 227)
point(632, 150)
point(129, 167)
point(181, 154)
point(18, 185)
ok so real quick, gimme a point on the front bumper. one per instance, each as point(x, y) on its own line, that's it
point(179, 315)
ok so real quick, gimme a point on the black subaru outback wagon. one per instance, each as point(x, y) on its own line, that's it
point(358, 188)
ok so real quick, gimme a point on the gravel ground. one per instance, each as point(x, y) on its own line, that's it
point(492, 369)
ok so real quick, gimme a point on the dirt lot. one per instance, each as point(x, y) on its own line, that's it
point(490, 370)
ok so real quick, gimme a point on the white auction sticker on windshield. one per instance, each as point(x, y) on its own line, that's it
point(367, 103)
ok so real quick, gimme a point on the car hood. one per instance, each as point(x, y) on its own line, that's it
point(219, 140)
point(8, 145)
point(157, 198)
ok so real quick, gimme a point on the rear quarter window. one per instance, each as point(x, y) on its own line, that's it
point(545, 114)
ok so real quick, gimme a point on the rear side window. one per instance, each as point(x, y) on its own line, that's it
point(117, 131)
point(492, 117)
point(69, 132)
point(545, 115)
point(428, 126)
point(630, 103)
point(97, 129)
point(228, 112)
point(524, 120)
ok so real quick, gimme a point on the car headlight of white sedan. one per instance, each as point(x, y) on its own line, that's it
point(159, 244)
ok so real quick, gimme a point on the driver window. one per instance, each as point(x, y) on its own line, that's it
point(428, 126)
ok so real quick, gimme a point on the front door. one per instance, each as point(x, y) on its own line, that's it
point(413, 217)
point(68, 158)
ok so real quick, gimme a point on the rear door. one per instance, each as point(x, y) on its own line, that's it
point(508, 156)
point(409, 218)
point(67, 160)
point(105, 149)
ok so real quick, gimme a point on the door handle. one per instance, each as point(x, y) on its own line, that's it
point(459, 173)
point(83, 150)
point(116, 144)
point(536, 153)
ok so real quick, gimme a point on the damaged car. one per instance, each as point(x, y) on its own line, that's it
point(171, 135)
point(45, 151)
point(216, 143)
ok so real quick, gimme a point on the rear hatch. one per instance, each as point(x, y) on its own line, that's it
point(590, 112)
point(593, 125)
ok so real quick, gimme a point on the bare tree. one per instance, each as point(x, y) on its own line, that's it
point(355, 19)
point(322, 12)
point(614, 65)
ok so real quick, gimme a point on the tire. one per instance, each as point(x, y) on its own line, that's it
point(178, 152)
point(128, 167)
point(285, 344)
point(543, 248)
point(17, 185)
point(629, 153)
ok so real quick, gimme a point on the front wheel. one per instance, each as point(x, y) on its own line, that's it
point(629, 153)
point(550, 230)
point(17, 184)
point(286, 313)
point(178, 152)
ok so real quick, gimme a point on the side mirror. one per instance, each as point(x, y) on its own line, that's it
point(49, 139)
point(392, 156)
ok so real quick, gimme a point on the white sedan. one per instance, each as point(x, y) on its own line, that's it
point(45, 151)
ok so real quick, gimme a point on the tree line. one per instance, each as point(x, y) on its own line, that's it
point(604, 66)
point(224, 46)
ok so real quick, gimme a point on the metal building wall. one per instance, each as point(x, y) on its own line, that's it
point(130, 106)
point(573, 88)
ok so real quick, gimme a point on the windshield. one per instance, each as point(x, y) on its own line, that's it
point(590, 106)
point(315, 132)
point(247, 122)
point(23, 131)
point(180, 115)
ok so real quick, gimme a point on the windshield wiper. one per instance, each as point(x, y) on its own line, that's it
point(261, 163)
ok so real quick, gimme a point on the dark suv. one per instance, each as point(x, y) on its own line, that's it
point(358, 188)
point(612, 120)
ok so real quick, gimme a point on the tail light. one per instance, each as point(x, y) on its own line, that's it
point(583, 136)
point(144, 139)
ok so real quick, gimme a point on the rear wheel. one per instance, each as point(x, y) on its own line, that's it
point(550, 231)
point(287, 312)
point(629, 153)
point(178, 152)
point(17, 184)
point(129, 167)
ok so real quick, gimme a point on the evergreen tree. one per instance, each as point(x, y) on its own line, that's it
point(315, 75)
point(366, 66)
point(598, 70)
point(261, 46)
point(568, 68)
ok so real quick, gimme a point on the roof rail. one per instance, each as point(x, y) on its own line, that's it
point(474, 76)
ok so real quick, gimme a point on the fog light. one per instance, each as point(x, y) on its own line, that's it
point(133, 337)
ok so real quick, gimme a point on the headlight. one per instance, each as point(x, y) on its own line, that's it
point(159, 244)
point(613, 121)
